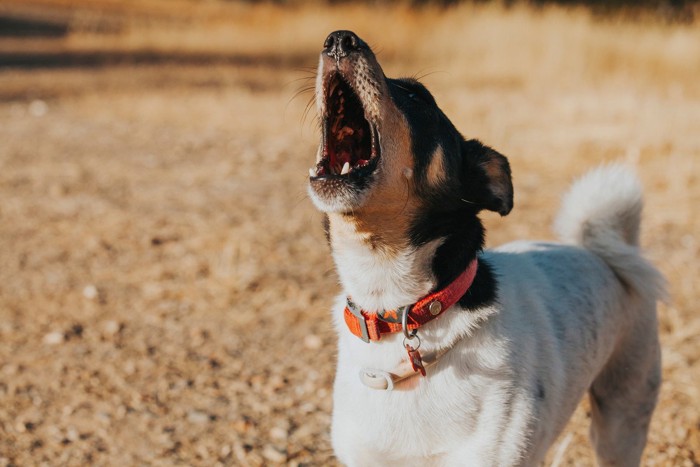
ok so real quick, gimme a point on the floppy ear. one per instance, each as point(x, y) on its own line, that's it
point(486, 178)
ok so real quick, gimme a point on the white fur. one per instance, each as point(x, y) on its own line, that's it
point(602, 212)
point(378, 280)
point(568, 319)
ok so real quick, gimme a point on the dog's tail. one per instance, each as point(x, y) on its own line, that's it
point(602, 213)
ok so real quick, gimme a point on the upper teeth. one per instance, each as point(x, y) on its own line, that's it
point(312, 172)
point(346, 168)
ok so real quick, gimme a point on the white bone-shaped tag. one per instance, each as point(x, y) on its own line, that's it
point(376, 379)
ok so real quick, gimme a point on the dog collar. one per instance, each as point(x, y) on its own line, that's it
point(370, 326)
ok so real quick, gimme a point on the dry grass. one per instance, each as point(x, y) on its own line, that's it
point(164, 282)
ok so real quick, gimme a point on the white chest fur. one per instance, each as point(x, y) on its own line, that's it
point(379, 278)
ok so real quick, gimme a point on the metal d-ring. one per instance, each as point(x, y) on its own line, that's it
point(413, 335)
point(404, 326)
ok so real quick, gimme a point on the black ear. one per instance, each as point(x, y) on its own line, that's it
point(486, 178)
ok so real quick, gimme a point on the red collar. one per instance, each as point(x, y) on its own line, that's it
point(370, 326)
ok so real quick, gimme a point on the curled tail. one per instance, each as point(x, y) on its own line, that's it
point(602, 213)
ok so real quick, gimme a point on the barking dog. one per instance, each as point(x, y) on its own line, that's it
point(450, 355)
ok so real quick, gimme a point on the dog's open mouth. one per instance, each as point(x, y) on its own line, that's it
point(350, 143)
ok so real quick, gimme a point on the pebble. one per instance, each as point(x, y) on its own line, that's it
point(312, 342)
point(307, 408)
point(20, 427)
point(304, 431)
point(273, 455)
point(202, 452)
point(196, 416)
point(90, 292)
point(239, 454)
point(54, 338)
point(111, 327)
point(278, 433)
point(38, 108)
point(72, 434)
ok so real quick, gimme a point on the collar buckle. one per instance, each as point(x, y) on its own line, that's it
point(361, 321)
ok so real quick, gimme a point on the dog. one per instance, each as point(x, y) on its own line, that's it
point(449, 354)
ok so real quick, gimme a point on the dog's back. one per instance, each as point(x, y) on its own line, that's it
point(591, 305)
point(602, 213)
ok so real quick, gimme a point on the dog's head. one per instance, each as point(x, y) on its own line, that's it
point(389, 153)
point(393, 166)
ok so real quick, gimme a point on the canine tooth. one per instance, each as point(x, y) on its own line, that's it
point(346, 169)
point(312, 172)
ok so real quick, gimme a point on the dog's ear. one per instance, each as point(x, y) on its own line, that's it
point(486, 178)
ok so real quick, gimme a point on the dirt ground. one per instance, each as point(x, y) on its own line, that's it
point(164, 280)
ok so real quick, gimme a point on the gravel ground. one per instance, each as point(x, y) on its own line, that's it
point(164, 281)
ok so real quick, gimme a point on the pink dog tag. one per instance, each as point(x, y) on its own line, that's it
point(415, 359)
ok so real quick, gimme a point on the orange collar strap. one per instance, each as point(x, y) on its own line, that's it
point(370, 326)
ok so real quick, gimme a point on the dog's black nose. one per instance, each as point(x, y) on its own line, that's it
point(341, 43)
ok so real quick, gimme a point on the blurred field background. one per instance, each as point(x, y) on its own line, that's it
point(164, 281)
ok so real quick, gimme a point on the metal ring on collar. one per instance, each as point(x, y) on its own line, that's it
point(404, 324)
point(412, 336)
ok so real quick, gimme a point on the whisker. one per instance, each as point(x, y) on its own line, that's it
point(401, 87)
point(306, 69)
point(302, 90)
point(309, 78)
point(298, 93)
point(307, 109)
point(302, 78)
point(424, 74)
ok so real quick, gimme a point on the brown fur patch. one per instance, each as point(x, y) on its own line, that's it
point(436, 169)
point(384, 219)
point(493, 169)
point(499, 178)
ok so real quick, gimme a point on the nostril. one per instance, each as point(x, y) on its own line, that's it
point(330, 41)
point(348, 42)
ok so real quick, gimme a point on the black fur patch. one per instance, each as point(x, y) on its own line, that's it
point(464, 238)
point(429, 127)
point(451, 209)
